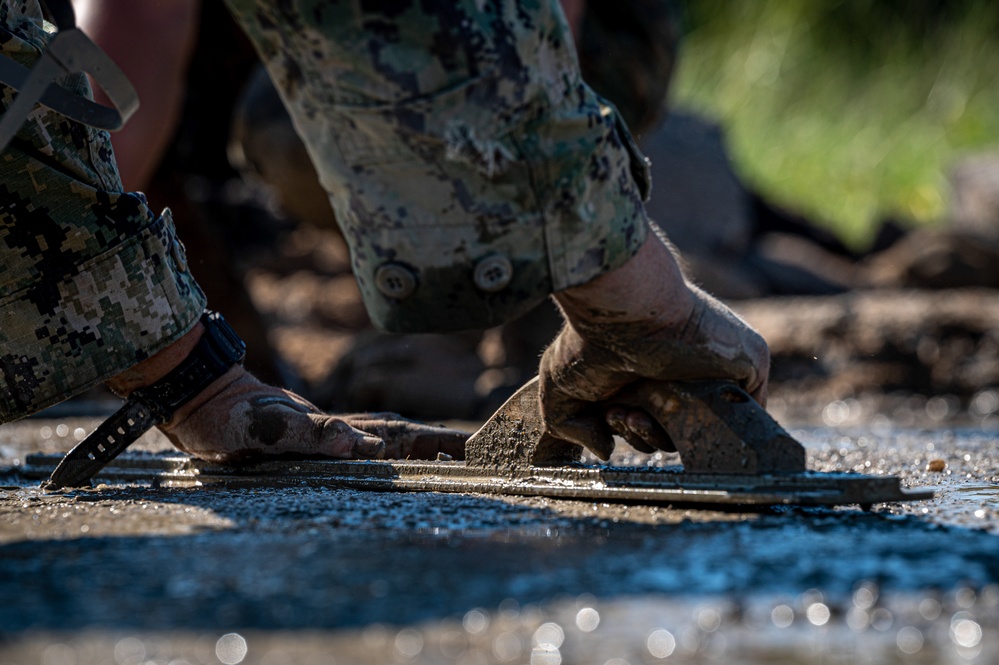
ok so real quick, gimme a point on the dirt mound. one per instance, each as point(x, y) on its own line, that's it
point(864, 343)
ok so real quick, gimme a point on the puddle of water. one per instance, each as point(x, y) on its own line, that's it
point(866, 627)
point(987, 492)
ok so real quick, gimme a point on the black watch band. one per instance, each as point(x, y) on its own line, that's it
point(216, 352)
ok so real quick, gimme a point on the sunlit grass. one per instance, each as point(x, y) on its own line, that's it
point(845, 119)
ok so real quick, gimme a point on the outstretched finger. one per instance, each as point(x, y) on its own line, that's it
point(409, 439)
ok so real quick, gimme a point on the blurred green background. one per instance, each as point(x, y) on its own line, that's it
point(850, 111)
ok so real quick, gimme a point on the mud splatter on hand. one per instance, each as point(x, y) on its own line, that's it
point(238, 419)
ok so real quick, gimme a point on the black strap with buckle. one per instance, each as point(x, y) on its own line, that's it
point(216, 352)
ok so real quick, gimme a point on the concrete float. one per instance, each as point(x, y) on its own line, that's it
point(732, 452)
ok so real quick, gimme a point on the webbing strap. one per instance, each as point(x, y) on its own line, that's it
point(218, 350)
point(69, 51)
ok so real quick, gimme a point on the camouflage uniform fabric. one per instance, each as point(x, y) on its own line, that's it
point(471, 169)
point(91, 280)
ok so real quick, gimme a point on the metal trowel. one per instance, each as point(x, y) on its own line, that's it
point(731, 450)
point(732, 453)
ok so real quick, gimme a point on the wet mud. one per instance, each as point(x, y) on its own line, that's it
point(133, 574)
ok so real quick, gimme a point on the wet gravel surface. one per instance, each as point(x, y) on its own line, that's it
point(136, 575)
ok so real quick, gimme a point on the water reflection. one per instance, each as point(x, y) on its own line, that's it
point(708, 620)
point(507, 647)
point(881, 619)
point(231, 649)
point(546, 655)
point(909, 640)
point(858, 619)
point(475, 621)
point(549, 635)
point(818, 614)
point(408, 643)
point(129, 651)
point(965, 597)
point(930, 609)
point(58, 654)
point(965, 631)
point(865, 595)
point(453, 644)
point(661, 643)
point(587, 619)
point(929, 629)
point(782, 616)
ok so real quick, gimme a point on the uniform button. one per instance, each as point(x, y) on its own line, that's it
point(493, 273)
point(179, 255)
point(395, 281)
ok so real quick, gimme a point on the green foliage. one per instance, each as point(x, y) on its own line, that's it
point(847, 111)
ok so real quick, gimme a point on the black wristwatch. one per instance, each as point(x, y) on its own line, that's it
point(216, 352)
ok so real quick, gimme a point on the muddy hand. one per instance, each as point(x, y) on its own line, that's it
point(239, 419)
point(649, 324)
point(409, 439)
point(639, 429)
point(580, 376)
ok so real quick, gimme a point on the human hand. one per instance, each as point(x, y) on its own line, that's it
point(238, 419)
point(648, 324)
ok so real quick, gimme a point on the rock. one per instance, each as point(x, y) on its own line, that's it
point(424, 376)
point(266, 150)
point(793, 264)
point(706, 212)
point(863, 342)
point(937, 258)
point(974, 185)
point(696, 197)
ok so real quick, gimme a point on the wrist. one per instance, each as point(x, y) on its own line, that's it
point(211, 354)
point(231, 377)
point(649, 290)
point(157, 366)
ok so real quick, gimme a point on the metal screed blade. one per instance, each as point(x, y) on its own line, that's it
point(733, 454)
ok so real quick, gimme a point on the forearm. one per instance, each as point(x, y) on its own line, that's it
point(649, 290)
point(644, 320)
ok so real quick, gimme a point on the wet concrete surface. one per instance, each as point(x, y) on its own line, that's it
point(134, 575)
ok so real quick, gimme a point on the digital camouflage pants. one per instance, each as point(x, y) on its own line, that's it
point(472, 170)
point(92, 281)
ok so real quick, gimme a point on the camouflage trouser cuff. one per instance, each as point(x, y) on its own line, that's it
point(471, 169)
point(64, 333)
point(482, 243)
point(91, 280)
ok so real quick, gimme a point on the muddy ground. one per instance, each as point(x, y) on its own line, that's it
point(131, 574)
